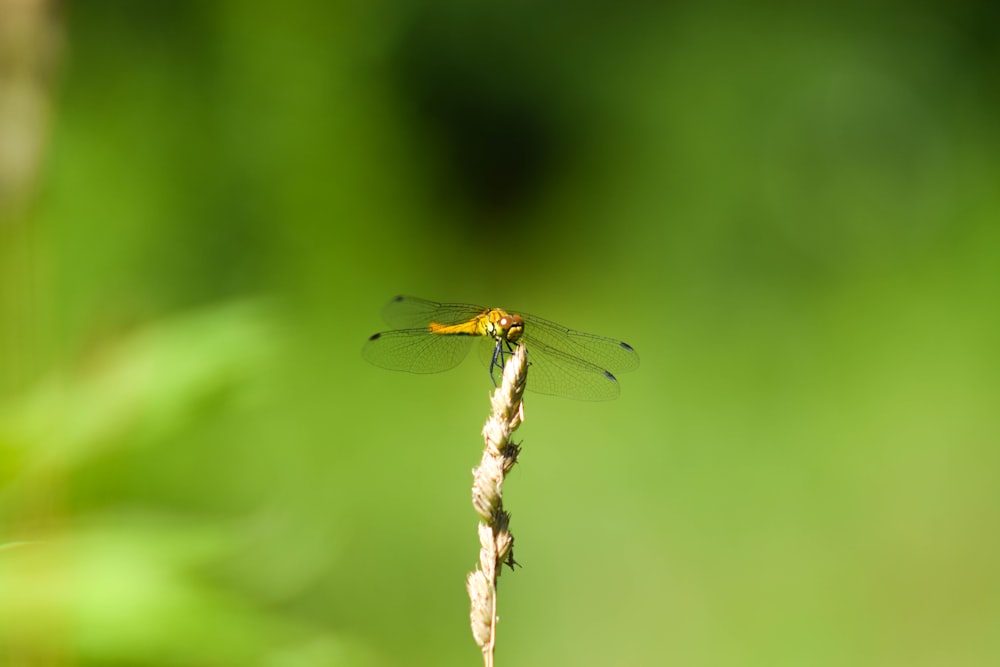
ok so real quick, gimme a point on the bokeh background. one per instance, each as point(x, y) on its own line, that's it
point(791, 212)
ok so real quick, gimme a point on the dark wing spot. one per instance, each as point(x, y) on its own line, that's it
point(375, 336)
point(398, 298)
point(610, 376)
point(627, 346)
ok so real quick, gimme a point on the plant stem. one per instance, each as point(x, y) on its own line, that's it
point(496, 542)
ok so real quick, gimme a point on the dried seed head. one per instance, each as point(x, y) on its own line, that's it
point(496, 542)
point(481, 613)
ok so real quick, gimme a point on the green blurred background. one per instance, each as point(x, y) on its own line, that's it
point(790, 212)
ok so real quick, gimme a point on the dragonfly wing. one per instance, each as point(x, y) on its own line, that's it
point(416, 350)
point(552, 371)
point(606, 353)
point(406, 312)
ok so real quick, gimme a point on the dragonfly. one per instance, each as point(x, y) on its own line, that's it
point(431, 337)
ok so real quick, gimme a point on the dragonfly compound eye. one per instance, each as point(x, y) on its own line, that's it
point(515, 327)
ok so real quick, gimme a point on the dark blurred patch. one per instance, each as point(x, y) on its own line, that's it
point(977, 23)
point(486, 89)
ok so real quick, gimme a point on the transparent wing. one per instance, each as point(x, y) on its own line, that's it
point(416, 350)
point(407, 312)
point(556, 373)
point(607, 353)
point(552, 371)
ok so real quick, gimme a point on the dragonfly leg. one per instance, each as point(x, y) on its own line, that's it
point(501, 353)
point(497, 352)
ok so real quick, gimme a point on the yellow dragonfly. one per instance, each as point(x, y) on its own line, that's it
point(433, 337)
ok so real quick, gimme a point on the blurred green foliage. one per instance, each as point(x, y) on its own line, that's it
point(789, 212)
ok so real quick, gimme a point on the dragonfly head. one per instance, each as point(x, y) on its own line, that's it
point(505, 327)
